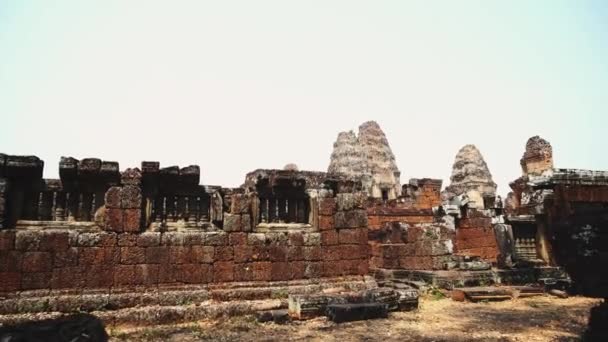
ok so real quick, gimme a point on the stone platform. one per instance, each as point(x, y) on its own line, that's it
point(142, 306)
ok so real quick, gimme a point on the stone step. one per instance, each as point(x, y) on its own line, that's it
point(154, 315)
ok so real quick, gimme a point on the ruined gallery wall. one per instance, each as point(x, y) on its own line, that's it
point(125, 247)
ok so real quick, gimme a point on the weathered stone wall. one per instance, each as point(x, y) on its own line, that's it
point(160, 228)
point(76, 260)
point(475, 237)
point(413, 247)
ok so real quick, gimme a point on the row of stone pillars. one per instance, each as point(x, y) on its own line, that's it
point(190, 209)
point(283, 210)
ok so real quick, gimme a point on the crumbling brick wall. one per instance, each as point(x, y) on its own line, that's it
point(475, 237)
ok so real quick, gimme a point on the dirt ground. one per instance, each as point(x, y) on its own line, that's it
point(531, 319)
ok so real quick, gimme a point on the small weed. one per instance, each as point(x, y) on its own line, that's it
point(279, 294)
point(435, 293)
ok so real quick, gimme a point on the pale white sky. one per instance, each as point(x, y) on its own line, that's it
point(239, 85)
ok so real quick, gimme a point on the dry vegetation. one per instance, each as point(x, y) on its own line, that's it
point(532, 319)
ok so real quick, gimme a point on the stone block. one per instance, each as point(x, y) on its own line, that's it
point(237, 239)
point(327, 206)
point(172, 239)
point(98, 277)
point(27, 240)
point(224, 253)
point(246, 223)
point(55, 241)
point(340, 313)
point(113, 197)
point(351, 219)
point(223, 271)
point(36, 280)
point(232, 222)
point(216, 239)
point(312, 239)
point(159, 255)
point(132, 255)
point(326, 222)
point(68, 277)
point(313, 253)
point(132, 220)
point(131, 197)
point(256, 239)
point(131, 176)
point(295, 238)
point(329, 237)
point(7, 240)
point(313, 270)
point(190, 175)
point(193, 238)
point(10, 281)
point(114, 220)
point(180, 254)
point(349, 201)
point(66, 258)
point(148, 239)
point(279, 271)
point(243, 272)
point(150, 167)
point(125, 275)
point(349, 236)
point(110, 172)
point(127, 240)
point(240, 204)
point(191, 273)
point(297, 270)
point(262, 271)
point(37, 262)
point(277, 253)
point(89, 167)
point(295, 253)
point(23, 167)
point(88, 256)
point(243, 253)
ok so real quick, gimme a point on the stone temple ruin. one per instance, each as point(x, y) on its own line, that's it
point(117, 243)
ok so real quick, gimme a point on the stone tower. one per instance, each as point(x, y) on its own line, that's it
point(471, 176)
point(538, 158)
point(369, 157)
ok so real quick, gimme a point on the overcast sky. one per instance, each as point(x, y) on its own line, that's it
point(237, 85)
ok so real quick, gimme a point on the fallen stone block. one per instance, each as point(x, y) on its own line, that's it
point(79, 327)
point(303, 307)
point(339, 313)
point(276, 316)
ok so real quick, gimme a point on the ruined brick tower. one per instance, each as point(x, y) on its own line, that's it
point(368, 157)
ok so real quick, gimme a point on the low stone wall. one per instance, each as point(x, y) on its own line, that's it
point(95, 259)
